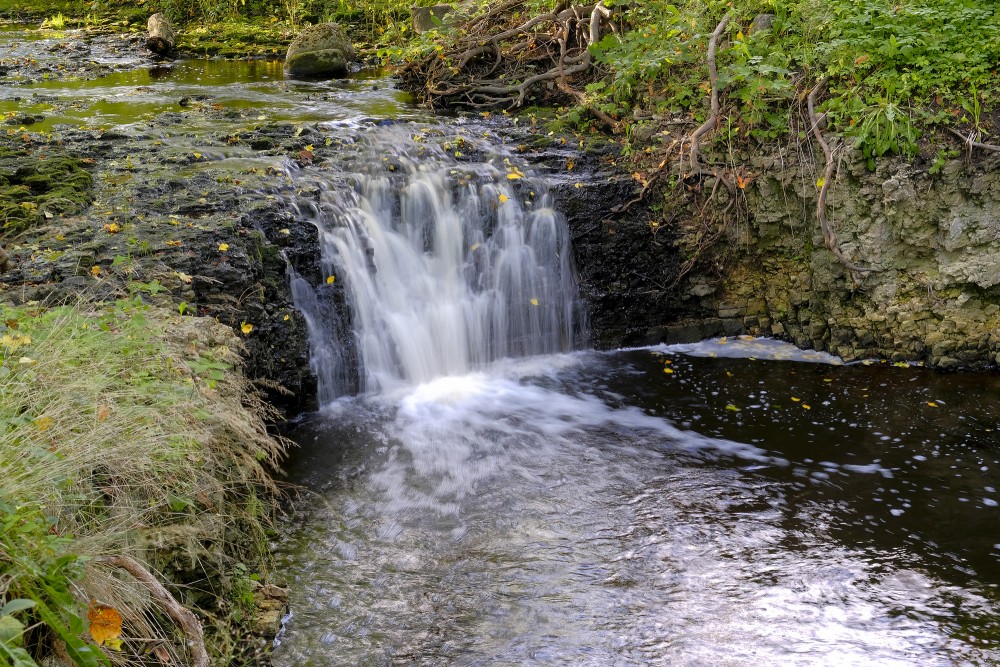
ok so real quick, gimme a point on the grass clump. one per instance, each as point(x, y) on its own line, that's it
point(124, 431)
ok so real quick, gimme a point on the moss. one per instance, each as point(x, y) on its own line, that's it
point(34, 184)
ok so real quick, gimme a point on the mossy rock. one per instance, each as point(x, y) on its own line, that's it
point(329, 62)
point(33, 189)
point(320, 50)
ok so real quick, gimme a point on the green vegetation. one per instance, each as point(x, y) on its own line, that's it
point(124, 431)
point(892, 68)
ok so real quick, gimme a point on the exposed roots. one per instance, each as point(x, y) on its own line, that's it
point(829, 236)
point(971, 143)
point(498, 66)
point(713, 117)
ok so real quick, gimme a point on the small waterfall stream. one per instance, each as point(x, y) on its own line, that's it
point(445, 265)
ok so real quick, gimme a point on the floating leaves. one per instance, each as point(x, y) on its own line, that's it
point(331, 279)
point(533, 301)
point(105, 625)
point(503, 198)
point(514, 174)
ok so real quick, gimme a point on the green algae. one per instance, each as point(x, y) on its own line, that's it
point(35, 186)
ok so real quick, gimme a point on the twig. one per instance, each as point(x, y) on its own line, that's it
point(181, 615)
point(829, 236)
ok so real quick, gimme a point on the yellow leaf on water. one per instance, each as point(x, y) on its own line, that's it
point(223, 247)
point(105, 625)
point(806, 407)
point(285, 232)
point(197, 156)
point(668, 371)
point(503, 198)
point(246, 328)
point(533, 302)
point(796, 400)
point(514, 174)
point(570, 164)
point(732, 408)
point(475, 247)
point(330, 280)
point(932, 404)
point(286, 318)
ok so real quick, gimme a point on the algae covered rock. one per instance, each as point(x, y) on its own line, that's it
point(319, 50)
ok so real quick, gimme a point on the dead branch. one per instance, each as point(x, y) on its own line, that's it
point(181, 615)
point(829, 236)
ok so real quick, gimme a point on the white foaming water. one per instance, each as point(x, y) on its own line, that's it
point(445, 267)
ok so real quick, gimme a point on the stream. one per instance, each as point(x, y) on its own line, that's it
point(479, 488)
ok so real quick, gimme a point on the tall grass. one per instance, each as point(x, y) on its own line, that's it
point(124, 430)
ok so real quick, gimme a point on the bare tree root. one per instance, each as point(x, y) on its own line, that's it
point(497, 66)
point(829, 236)
point(713, 117)
point(181, 615)
point(970, 143)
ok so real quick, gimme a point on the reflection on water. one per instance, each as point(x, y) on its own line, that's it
point(651, 507)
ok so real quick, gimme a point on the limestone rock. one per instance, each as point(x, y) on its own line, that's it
point(320, 50)
point(162, 37)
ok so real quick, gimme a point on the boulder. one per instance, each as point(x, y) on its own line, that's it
point(162, 36)
point(319, 50)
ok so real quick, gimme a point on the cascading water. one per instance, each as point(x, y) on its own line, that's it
point(446, 266)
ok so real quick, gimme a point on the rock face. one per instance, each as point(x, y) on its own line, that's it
point(932, 238)
point(319, 50)
point(162, 36)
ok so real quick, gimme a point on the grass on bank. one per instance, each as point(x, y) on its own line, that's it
point(892, 68)
point(124, 430)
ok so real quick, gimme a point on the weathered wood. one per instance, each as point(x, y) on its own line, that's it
point(162, 37)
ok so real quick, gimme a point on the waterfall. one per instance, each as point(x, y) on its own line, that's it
point(444, 266)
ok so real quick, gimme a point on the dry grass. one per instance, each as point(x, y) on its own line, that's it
point(135, 433)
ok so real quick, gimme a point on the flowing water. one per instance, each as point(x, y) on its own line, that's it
point(483, 501)
point(477, 493)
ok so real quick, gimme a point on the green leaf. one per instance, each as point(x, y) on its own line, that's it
point(15, 606)
point(10, 630)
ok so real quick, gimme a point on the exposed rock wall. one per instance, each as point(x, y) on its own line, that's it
point(934, 240)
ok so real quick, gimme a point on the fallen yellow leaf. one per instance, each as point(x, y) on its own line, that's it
point(95, 271)
point(105, 625)
point(246, 328)
point(503, 198)
point(533, 302)
point(223, 247)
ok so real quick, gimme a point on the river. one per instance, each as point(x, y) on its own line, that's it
point(479, 488)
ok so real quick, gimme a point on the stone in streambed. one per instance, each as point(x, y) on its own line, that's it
point(319, 50)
